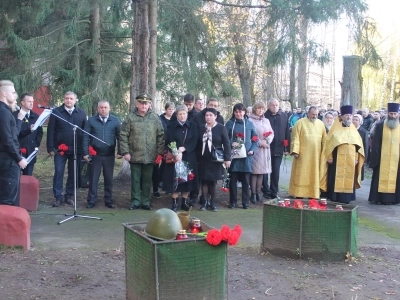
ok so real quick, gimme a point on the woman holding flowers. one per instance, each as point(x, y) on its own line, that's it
point(242, 133)
point(211, 136)
point(262, 158)
point(181, 139)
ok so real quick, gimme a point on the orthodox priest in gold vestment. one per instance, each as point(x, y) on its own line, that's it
point(384, 159)
point(308, 137)
point(342, 159)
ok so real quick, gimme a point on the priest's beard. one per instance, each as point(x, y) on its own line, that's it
point(392, 123)
point(347, 123)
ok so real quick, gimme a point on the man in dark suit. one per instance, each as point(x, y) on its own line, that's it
point(60, 144)
point(28, 139)
point(106, 128)
point(11, 161)
point(280, 125)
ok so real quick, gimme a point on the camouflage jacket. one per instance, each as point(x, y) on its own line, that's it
point(142, 137)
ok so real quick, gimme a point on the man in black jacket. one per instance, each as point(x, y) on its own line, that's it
point(188, 100)
point(28, 139)
point(368, 120)
point(280, 125)
point(11, 161)
point(106, 128)
point(60, 144)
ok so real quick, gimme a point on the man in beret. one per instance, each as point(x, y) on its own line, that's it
point(384, 160)
point(142, 143)
point(342, 159)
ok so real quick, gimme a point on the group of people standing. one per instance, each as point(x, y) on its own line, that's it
point(329, 161)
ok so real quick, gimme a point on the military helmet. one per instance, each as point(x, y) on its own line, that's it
point(163, 224)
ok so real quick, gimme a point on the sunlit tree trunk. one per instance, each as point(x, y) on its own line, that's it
point(351, 81)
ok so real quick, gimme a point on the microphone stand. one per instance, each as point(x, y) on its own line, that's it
point(74, 127)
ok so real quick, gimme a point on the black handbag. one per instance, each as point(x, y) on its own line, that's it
point(217, 154)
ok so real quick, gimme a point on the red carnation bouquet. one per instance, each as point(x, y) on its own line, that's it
point(23, 151)
point(225, 234)
point(254, 139)
point(62, 149)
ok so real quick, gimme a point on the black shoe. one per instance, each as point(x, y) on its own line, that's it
point(274, 196)
point(245, 206)
point(90, 205)
point(192, 201)
point(109, 205)
point(258, 198)
point(267, 196)
point(253, 198)
point(184, 205)
point(146, 207)
point(211, 206)
point(232, 205)
point(174, 204)
point(156, 195)
point(68, 200)
point(57, 203)
point(134, 207)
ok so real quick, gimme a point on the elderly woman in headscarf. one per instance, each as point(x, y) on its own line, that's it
point(185, 134)
point(328, 119)
point(357, 122)
point(212, 136)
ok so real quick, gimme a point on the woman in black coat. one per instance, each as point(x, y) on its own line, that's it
point(185, 134)
point(211, 135)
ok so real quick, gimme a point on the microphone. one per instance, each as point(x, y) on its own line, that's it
point(45, 107)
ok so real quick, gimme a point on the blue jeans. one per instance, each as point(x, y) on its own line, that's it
point(58, 179)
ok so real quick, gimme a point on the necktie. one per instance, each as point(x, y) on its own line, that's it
point(70, 111)
point(104, 120)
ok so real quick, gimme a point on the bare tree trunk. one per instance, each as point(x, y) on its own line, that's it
point(292, 79)
point(134, 58)
point(269, 81)
point(95, 37)
point(302, 69)
point(243, 70)
point(352, 81)
point(153, 52)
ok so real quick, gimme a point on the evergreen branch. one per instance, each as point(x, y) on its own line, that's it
point(86, 40)
point(117, 51)
point(240, 6)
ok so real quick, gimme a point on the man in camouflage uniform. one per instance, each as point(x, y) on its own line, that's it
point(142, 141)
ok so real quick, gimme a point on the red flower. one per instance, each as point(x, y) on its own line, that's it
point(158, 159)
point(225, 189)
point(23, 150)
point(92, 152)
point(233, 238)
point(61, 153)
point(62, 147)
point(313, 204)
point(267, 134)
point(240, 135)
point(225, 232)
point(190, 176)
point(285, 143)
point(214, 237)
point(238, 229)
point(298, 204)
point(254, 138)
